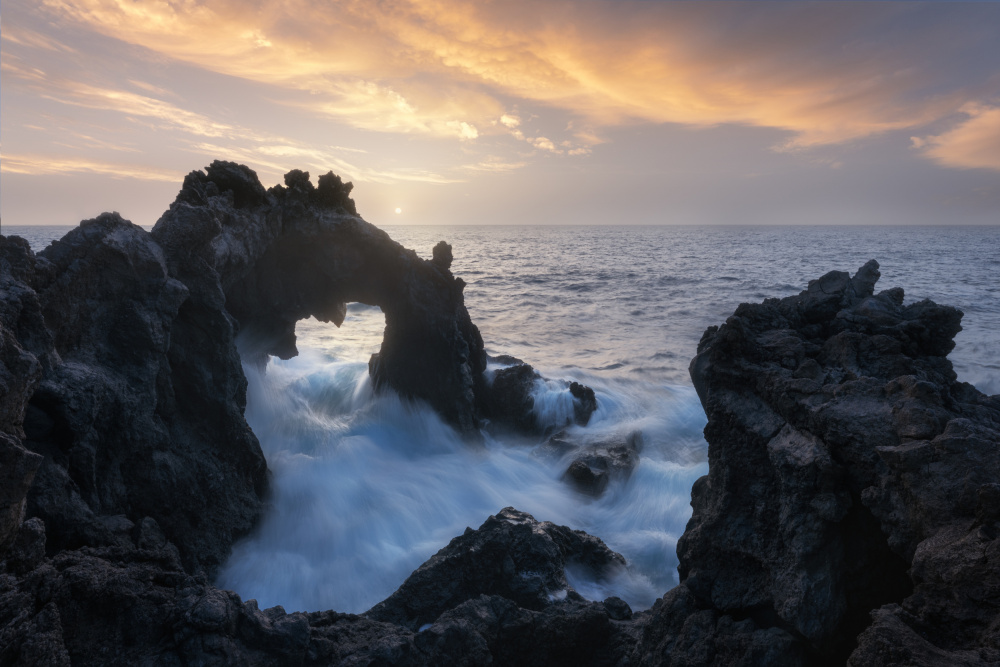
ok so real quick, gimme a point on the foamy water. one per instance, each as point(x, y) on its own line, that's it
point(366, 488)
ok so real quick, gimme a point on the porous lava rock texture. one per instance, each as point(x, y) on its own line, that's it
point(278, 256)
point(136, 408)
point(128, 468)
point(850, 510)
point(850, 513)
point(511, 555)
point(136, 604)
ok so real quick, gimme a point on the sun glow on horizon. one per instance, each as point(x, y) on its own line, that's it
point(462, 103)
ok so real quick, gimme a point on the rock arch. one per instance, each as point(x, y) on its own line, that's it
point(295, 251)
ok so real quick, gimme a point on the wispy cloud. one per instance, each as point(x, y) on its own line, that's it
point(142, 106)
point(25, 37)
point(972, 144)
point(441, 68)
point(494, 164)
point(45, 165)
point(275, 154)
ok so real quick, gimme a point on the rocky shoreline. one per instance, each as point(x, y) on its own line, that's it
point(850, 513)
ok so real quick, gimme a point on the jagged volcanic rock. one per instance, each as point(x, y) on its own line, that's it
point(20, 371)
point(271, 258)
point(134, 418)
point(511, 555)
point(508, 399)
point(851, 510)
point(852, 485)
point(600, 462)
point(120, 362)
point(135, 604)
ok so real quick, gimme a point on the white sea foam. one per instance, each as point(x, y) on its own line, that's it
point(366, 488)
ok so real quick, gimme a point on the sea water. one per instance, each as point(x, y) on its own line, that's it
point(366, 487)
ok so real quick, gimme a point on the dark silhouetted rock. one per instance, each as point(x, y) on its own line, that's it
point(442, 255)
point(299, 251)
point(617, 609)
point(17, 471)
point(850, 478)
point(585, 403)
point(140, 409)
point(510, 555)
point(600, 462)
point(509, 403)
point(851, 510)
point(23, 339)
point(135, 604)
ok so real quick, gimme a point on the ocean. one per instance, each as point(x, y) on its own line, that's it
point(366, 487)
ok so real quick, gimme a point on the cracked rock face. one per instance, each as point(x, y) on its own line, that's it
point(851, 478)
point(511, 555)
point(274, 257)
point(492, 595)
point(851, 510)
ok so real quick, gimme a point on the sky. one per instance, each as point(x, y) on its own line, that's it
point(511, 112)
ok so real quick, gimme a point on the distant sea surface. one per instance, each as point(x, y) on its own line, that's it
point(632, 302)
point(367, 487)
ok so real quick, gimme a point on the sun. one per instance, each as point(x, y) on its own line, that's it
point(398, 210)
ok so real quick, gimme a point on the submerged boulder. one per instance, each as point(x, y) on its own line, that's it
point(508, 399)
point(600, 462)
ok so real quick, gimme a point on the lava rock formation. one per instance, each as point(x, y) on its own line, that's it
point(851, 511)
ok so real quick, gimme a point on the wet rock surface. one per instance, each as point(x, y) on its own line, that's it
point(595, 465)
point(851, 510)
point(511, 555)
point(849, 502)
point(508, 401)
point(135, 604)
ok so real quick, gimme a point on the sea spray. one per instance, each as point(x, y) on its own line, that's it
point(366, 487)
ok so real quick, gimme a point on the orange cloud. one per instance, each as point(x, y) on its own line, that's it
point(42, 165)
point(972, 144)
point(273, 155)
point(442, 68)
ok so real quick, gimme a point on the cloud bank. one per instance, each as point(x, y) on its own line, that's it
point(449, 69)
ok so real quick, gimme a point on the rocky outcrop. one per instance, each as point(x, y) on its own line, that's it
point(269, 258)
point(132, 416)
point(511, 556)
point(850, 513)
point(596, 464)
point(851, 490)
point(20, 371)
point(135, 604)
point(507, 402)
point(122, 437)
point(121, 353)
